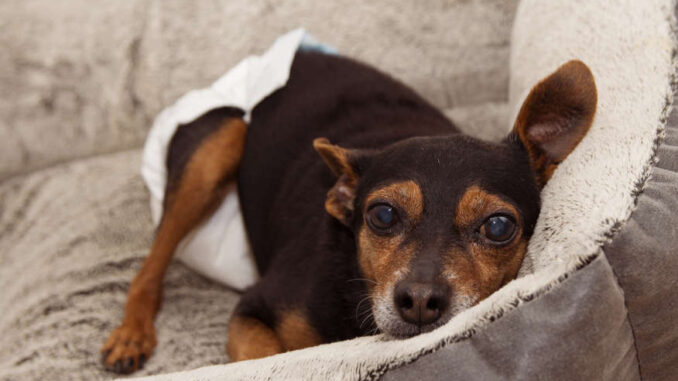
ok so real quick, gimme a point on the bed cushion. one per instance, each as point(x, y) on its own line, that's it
point(80, 78)
point(593, 300)
point(80, 83)
point(73, 235)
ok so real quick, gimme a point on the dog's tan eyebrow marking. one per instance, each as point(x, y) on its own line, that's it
point(405, 194)
point(477, 203)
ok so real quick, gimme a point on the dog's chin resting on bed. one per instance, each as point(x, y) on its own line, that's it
point(396, 226)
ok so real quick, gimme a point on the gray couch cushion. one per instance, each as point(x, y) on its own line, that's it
point(84, 77)
point(644, 255)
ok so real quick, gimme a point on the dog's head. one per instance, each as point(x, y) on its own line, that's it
point(442, 222)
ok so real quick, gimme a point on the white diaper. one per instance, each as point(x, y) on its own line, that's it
point(218, 248)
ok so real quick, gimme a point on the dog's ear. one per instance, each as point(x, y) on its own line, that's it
point(555, 117)
point(343, 163)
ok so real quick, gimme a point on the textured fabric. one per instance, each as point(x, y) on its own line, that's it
point(82, 77)
point(629, 46)
point(71, 240)
point(372, 357)
point(644, 256)
point(483, 120)
point(71, 237)
point(578, 331)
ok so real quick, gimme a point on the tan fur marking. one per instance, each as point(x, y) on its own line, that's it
point(486, 271)
point(489, 267)
point(476, 203)
point(459, 271)
point(339, 201)
point(406, 195)
point(249, 338)
point(335, 157)
point(381, 258)
point(295, 331)
point(200, 190)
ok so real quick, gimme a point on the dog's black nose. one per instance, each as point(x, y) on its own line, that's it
point(421, 303)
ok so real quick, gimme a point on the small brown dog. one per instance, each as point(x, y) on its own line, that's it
point(419, 221)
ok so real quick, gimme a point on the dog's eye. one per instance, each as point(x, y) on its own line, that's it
point(498, 228)
point(381, 217)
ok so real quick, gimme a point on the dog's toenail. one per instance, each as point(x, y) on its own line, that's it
point(129, 364)
point(142, 361)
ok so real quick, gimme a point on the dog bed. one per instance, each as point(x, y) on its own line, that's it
point(595, 299)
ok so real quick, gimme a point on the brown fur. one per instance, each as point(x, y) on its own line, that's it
point(295, 331)
point(476, 204)
point(406, 194)
point(249, 338)
point(489, 267)
point(555, 117)
point(383, 259)
point(336, 158)
point(199, 191)
point(486, 271)
point(339, 202)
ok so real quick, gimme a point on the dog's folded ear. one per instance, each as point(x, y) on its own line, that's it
point(344, 164)
point(555, 117)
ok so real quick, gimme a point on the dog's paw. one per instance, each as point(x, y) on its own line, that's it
point(128, 347)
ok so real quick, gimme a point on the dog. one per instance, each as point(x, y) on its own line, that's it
point(366, 209)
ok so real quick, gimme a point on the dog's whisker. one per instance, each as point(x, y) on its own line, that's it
point(357, 308)
point(362, 280)
point(365, 320)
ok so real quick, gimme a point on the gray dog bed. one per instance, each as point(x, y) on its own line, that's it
point(596, 296)
point(595, 299)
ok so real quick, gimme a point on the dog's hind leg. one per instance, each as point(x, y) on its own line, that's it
point(203, 158)
point(249, 338)
point(261, 327)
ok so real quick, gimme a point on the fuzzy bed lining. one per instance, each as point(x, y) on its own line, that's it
point(589, 198)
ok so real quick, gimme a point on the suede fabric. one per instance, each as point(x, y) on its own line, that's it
point(644, 256)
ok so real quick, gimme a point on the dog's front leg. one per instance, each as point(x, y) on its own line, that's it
point(198, 188)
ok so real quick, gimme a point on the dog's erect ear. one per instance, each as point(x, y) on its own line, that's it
point(555, 117)
point(342, 162)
